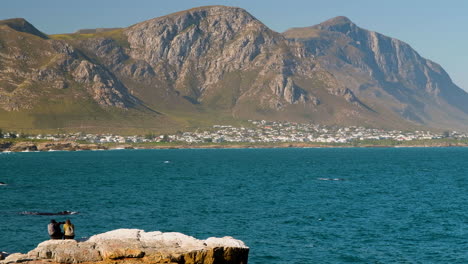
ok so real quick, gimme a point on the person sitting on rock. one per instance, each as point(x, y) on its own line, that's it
point(54, 229)
point(69, 230)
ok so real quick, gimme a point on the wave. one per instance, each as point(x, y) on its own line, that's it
point(47, 213)
point(330, 179)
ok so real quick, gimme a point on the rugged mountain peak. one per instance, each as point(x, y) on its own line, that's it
point(339, 24)
point(186, 17)
point(389, 70)
point(211, 8)
point(22, 25)
point(339, 20)
point(217, 41)
point(190, 33)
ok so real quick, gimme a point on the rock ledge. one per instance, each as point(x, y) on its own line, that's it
point(136, 246)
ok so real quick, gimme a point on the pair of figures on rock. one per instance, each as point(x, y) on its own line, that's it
point(55, 232)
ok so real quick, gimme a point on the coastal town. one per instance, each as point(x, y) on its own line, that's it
point(256, 132)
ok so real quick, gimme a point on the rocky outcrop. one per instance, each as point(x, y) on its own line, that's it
point(5, 145)
point(23, 146)
point(67, 146)
point(105, 89)
point(48, 146)
point(287, 92)
point(137, 246)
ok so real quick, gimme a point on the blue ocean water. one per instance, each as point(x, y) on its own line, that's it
point(391, 205)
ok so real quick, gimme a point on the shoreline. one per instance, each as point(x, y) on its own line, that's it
point(234, 146)
point(51, 146)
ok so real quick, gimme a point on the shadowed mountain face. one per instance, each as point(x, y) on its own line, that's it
point(383, 71)
point(220, 64)
point(21, 25)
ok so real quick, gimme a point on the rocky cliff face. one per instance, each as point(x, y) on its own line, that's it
point(215, 57)
point(384, 71)
point(33, 67)
point(193, 51)
point(137, 246)
point(217, 63)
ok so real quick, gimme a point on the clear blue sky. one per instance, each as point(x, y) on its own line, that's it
point(438, 30)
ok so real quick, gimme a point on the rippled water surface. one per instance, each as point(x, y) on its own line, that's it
point(406, 205)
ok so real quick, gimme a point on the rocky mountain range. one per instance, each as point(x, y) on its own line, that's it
point(219, 64)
